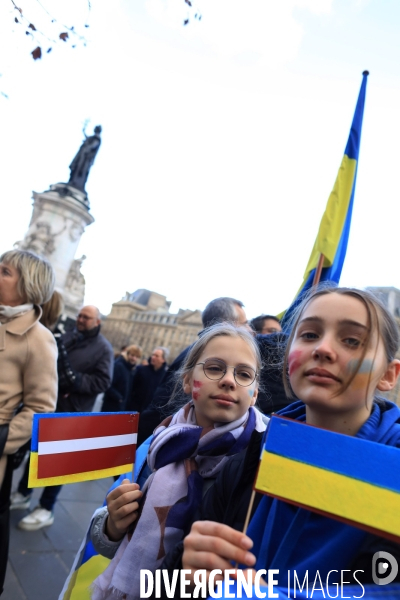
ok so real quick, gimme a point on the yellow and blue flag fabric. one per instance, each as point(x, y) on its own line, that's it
point(88, 563)
point(334, 229)
point(339, 476)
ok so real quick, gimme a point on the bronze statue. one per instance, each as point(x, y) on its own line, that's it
point(84, 159)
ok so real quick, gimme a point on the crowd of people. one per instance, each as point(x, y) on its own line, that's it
point(202, 424)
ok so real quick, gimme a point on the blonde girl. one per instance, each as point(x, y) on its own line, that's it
point(221, 373)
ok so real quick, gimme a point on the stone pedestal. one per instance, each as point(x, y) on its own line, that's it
point(59, 218)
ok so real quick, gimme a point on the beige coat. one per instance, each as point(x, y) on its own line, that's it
point(28, 375)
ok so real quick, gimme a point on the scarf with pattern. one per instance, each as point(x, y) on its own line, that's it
point(181, 455)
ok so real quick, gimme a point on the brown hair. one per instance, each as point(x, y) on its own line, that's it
point(379, 320)
point(135, 350)
point(51, 310)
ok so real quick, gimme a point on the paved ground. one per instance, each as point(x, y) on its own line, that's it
point(39, 561)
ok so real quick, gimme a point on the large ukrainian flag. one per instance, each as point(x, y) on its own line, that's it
point(334, 228)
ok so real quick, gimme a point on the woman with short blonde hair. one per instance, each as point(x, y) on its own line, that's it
point(28, 365)
point(36, 275)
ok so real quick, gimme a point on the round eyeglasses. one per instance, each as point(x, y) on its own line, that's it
point(215, 370)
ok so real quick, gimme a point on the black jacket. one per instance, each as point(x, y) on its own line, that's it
point(158, 409)
point(117, 395)
point(272, 396)
point(144, 383)
point(85, 369)
point(226, 501)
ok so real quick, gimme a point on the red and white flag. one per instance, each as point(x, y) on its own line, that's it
point(72, 447)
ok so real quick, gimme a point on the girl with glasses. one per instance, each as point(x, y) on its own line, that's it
point(139, 526)
point(340, 356)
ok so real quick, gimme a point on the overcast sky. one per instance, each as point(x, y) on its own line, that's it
point(221, 140)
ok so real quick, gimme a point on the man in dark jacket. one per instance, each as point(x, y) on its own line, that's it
point(85, 369)
point(145, 380)
point(85, 363)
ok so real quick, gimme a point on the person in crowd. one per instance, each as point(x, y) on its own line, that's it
point(117, 395)
point(85, 364)
point(121, 351)
point(219, 310)
point(220, 374)
point(51, 312)
point(272, 396)
point(266, 324)
point(145, 380)
point(28, 366)
point(85, 369)
point(340, 355)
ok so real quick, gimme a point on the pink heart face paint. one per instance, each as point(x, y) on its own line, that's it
point(196, 389)
point(294, 361)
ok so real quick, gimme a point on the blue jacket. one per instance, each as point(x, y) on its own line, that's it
point(290, 538)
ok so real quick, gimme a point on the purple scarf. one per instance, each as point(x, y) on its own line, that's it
point(181, 454)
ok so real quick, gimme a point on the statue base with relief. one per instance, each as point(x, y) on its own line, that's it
point(59, 218)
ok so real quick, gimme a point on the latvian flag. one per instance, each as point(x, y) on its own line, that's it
point(72, 447)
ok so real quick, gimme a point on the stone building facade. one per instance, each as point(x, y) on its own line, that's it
point(143, 318)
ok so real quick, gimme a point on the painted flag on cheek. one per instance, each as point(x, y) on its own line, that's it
point(72, 447)
point(339, 476)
